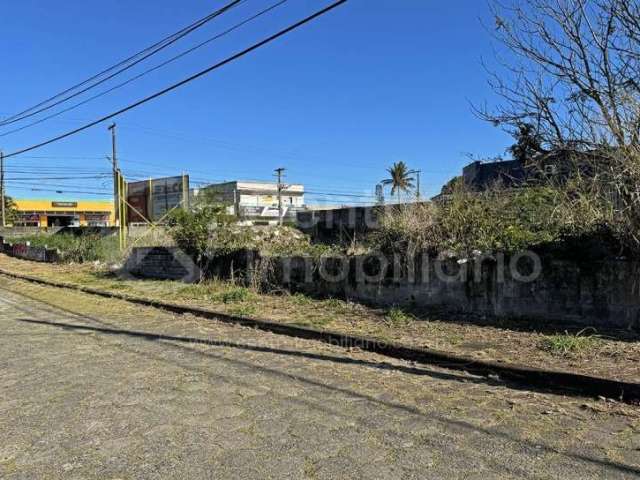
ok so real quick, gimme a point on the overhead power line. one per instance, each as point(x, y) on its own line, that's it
point(144, 73)
point(61, 157)
point(76, 177)
point(164, 91)
point(125, 64)
point(329, 194)
point(82, 192)
point(46, 184)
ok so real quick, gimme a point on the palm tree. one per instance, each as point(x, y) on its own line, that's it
point(400, 180)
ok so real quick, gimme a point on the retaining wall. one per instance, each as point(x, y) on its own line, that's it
point(603, 294)
point(27, 252)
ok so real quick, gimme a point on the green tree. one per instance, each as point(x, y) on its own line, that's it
point(10, 210)
point(400, 179)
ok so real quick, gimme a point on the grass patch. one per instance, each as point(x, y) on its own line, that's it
point(243, 310)
point(193, 291)
point(396, 317)
point(301, 300)
point(236, 295)
point(337, 306)
point(568, 344)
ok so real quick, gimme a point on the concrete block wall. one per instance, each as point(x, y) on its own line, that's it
point(602, 294)
point(161, 263)
point(27, 252)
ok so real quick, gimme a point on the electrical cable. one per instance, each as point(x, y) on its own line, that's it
point(144, 73)
point(166, 90)
point(152, 51)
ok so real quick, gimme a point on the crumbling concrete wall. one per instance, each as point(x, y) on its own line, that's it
point(603, 294)
point(27, 252)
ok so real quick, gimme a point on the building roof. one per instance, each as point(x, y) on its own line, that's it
point(268, 187)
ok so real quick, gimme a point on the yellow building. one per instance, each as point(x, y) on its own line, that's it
point(54, 213)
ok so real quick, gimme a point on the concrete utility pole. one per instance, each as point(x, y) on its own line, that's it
point(114, 163)
point(279, 172)
point(2, 194)
point(417, 172)
point(380, 193)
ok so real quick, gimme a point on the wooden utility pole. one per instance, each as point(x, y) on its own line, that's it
point(114, 163)
point(279, 172)
point(2, 193)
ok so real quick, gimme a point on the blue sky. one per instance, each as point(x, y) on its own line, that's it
point(336, 102)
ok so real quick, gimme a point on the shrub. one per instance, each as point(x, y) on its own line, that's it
point(78, 249)
point(190, 229)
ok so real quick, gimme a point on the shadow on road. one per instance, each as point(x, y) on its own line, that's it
point(169, 340)
point(257, 348)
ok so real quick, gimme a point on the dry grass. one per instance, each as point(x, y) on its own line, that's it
point(503, 341)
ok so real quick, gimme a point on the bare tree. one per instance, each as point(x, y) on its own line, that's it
point(571, 70)
point(569, 74)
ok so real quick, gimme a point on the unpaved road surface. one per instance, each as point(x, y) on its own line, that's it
point(95, 388)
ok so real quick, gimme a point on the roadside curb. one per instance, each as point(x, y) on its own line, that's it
point(549, 380)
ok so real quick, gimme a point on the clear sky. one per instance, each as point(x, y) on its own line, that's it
point(336, 102)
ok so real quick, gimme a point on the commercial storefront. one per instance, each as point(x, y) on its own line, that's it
point(53, 213)
point(256, 201)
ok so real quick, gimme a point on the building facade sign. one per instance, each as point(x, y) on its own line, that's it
point(152, 199)
point(167, 194)
point(138, 199)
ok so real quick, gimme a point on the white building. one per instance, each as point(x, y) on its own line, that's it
point(256, 201)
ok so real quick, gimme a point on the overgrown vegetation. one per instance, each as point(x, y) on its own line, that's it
point(77, 248)
point(276, 240)
point(570, 84)
point(207, 230)
point(190, 229)
point(503, 220)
